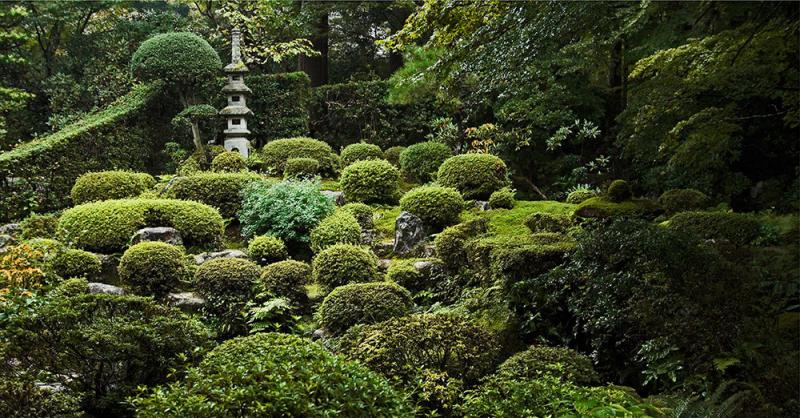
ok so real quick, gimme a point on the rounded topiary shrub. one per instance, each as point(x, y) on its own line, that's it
point(301, 167)
point(502, 199)
point(737, 228)
point(420, 161)
point(266, 249)
point(286, 279)
point(178, 58)
point(681, 200)
point(619, 191)
point(339, 228)
point(152, 268)
point(548, 222)
point(579, 196)
point(38, 226)
point(372, 181)
point(360, 152)
point(392, 155)
point(107, 185)
point(226, 283)
point(539, 361)
point(220, 190)
point(362, 212)
point(341, 264)
point(476, 176)
point(276, 153)
point(271, 374)
point(436, 206)
point(363, 303)
point(450, 243)
point(228, 162)
point(76, 263)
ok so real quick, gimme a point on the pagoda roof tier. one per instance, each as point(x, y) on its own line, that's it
point(236, 88)
point(236, 68)
point(235, 111)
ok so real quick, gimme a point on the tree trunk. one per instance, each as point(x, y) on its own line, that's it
point(317, 67)
point(616, 81)
point(196, 137)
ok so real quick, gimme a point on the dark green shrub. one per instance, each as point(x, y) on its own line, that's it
point(372, 181)
point(450, 243)
point(228, 162)
point(362, 212)
point(511, 259)
point(227, 285)
point(220, 190)
point(601, 207)
point(538, 361)
point(436, 206)
point(266, 249)
point(341, 264)
point(392, 155)
point(152, 268)
point(271, 374)
point(404, 274)
point(279, 103)
point(420, 161)
point(286, 279)
point(76, 263)
point(581, 195)
point(363, 303)
point(181, 58)
point(107, 226)
point(107, 185)
point(38, 226)
point(681, 200)
point(619, 191)
point(476, 176)
point(275, 153)
point(548, 222)
point(738, 228)
point(300, 168)
point(339, 228)
point(70, 287)
point(21, 396)
point(502, 199)
point(108, 345)
point(360, 152)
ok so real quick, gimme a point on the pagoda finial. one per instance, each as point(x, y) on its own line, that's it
point(236, 53)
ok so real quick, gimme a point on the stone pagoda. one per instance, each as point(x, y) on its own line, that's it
point(236, 111)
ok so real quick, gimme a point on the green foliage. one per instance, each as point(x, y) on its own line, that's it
point(108, 345)
point(392, 155)
point(276, 153)
point(476, 176)
point(152, 268)
point(579, 196)
point(339, 228)
point(22, 397)
point(403, 273)
point(502, 199)
point(363, 303)
point(341, 264)
point(70, 287)
point(619, 191)
point(600, 207)
point(220, 190)
point(548, 222)
point(76, 263)
point(266, 249)
point(450, 243)
point(108, 185)
point(420, 161)
point(680, 200)
point(108, 226)
point(182, 58)
point(38, 226)
point(274, 374)
point(286, 279)
point(538, 361)
point(228, 162)
point(510, 259)
point(738, 228)
point(227, 284)
point(359, 152)
point(372, 181)
point(436, 206)
point(280, 105)
point(362, 212)
point(288, 210)
point(300, 168)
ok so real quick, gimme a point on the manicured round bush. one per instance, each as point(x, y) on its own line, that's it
point(270, 375)
point(360, 152)
point(266, 249)
point(76, 263)
point(538, 361)
point(180, 57)
point(577, 197)
point(70, 287)
point(152, 268)
point(341, 264)
point(450, 243)
point(372, 181)
point(226, 284)
point(619, 191)
point(228, 162)
point(107, 185)
point(38, 226)
point(548, 222)
point(339, 228)
point(502, 199)
point(362, 212)
point(738, 228)
point(286, 279)
point(107, 226)
point(436, 206)
point(476, 176)
point(681, 200)
point(363, 303)
point(404, 274)
point(302, 167)
point(276, 153)
point(220, 190)
point(421, 160)
point(392, 155)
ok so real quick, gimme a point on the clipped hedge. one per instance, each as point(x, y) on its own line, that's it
point(548, 222)
point(392, 155)
point(476, 176)
point(601, 207)
point(275, 153)
point(38, 226)
point(360, 152)
point(226, 284)
point(681, 200)
point(108, 185)
point(619, 191)
point(372, 181)
point(266, 249)
point(107, 226)
point(181, 58)
point(363, 303)
point(577, 197)
point(220, 190)
point(152, 268)
point(738, 228)
point(450, 244)
point(420, 161)
point(341, 264)
point(362, 212)
point(76, 263)
point(502, 199)
point(286, 279)
point(511, 259)
point(228, 162)
point(300, 168)
point(436, 206)
point(339, 228)
point(537, 361)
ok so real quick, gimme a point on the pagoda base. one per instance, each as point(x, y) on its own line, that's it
point(240, 145)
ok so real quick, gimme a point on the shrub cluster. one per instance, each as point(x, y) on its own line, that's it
point(372, 181)
point(76, 263)
point(392, 155)
point(476, 176)
point(619, 191)
point(38, 226)
point(548, 222)
point(405, 274)
point(362, 212)
point(737, 228)
point(286, 279)
point(420, 161)
point(107, 185)
point(226, 284)
point(299, 168)
point(339, 228)
point(276, 153)
point(152, 268)
point(363, 303)
point(265, 249)
point(220, 190)
point(341, 264)
point(436, 206)
point(502, 199)
point(450, 243)
point(228, 162)
point(360, 152)
point(537, 361)
point(680, 200)
point(510, 259)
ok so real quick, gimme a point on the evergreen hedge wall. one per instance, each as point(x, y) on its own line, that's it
point(280, 106)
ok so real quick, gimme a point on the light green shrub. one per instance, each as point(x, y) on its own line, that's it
point(276, 153)
point(392, 155)
point(360, 152)
point(548, 222)
point(341, 264)
point(420, 160)
point(300, 168)
point(537, 361)
point(476, 176)
point(363, 303)
point(220, 190)
point(108, 185)
point(362, 212)
point(265, 249)
point(152, 268)
point(38, 226)
point(286, 279)
point(371, 181)
point(436, 206)
point(502, 199)
point(228, 162)
point(76, 263)
point(339, 228)
point(579, 196)
point(450, 243)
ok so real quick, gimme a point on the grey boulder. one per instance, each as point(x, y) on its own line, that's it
point(161, 233)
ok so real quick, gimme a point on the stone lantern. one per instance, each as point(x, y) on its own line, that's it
point(236, 111)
